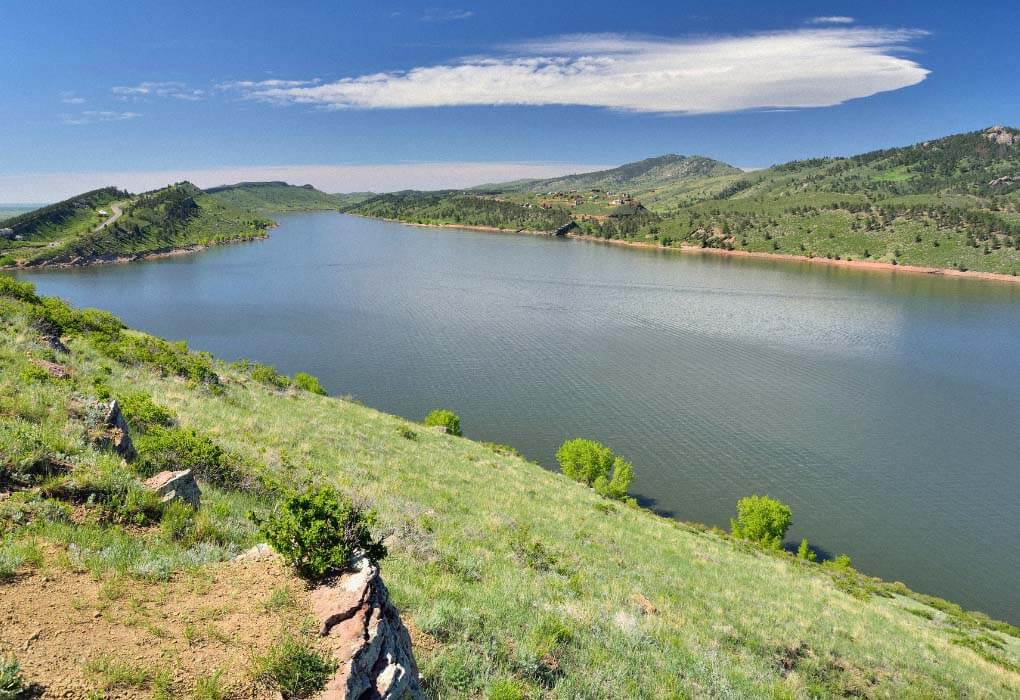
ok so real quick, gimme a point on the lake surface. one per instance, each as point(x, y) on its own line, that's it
point(884, 408)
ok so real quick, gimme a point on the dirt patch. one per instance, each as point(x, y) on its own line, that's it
point(74, 634)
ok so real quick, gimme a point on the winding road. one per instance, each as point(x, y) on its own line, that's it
point(117, 213)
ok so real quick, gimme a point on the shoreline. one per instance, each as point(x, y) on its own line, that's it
point(875, 266)
point(134, 257)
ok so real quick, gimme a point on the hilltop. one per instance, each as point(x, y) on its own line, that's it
point(109, 224)
point(278, 196)
point(946, 204)
point(639, 177)
point(507, 575)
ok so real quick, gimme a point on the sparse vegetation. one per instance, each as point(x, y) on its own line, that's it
point(294, 667)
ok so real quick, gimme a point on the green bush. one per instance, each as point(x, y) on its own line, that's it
point(169, 358)
point(294, 668)
point(507, 690)
point(143, 413)
point(616, 486)
point(445, 418)
point(175, 449)
point(267, 374)
point(318, 531)
point(12, 683)
point(805, 552)
point(585, 460)
point(14, 289)
point(303, 380)
point(762, 519)
point(109, 487)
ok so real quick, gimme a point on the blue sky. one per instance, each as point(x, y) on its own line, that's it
point(394, 94)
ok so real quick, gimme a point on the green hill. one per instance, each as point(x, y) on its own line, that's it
point(277, 196)
point(509, 576)
point(454, 208)
point(109, 224)
point(643, 176)
point(951, 203)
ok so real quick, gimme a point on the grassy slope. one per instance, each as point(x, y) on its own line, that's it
point(281, 197)
point(178, 216)
point(508, 570)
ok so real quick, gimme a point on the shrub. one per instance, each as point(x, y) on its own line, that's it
point(615, 487)
point(14, 289)
point(12, 683)
point(318, 531)
point(294, 668)
point(585, 460)
point(174, 449)
point(841, 562)
point(442, 417)
point(109, 487)
point(267, 374)
point(762, 519)
point(305, 381)
point(143, 413)
point(805, 552)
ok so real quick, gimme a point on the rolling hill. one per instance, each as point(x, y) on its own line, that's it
point(109, 224)
point(277, 196)
point(951, 203)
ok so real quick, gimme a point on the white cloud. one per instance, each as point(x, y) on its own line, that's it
point(256, 86)
point(436, 14)
point(789, 69)
point(69, 97)
point(95, 116)
point(172, 89)
point(385, 177)
point(831, 19)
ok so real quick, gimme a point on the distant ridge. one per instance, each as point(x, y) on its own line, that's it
point(643, 174)
point(279, 196)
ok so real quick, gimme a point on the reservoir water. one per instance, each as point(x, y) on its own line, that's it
point(884, 408)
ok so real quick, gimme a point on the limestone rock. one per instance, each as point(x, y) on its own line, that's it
point(176, 486)
point(370, 642)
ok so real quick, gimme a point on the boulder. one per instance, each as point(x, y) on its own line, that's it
point(371, 645)
point(260, 552)
point(1001, 135)
point(176, 486)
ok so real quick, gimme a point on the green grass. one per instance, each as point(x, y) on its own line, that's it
point(515, 577)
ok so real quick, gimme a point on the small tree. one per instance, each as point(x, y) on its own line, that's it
point(308, 382)
point(805, 552)
point(762, 519)
point(444, 418)
point(319, 531)
point(616, 486)
point(585, 460)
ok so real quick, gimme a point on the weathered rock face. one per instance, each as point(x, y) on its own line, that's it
point(371, 645)
point(1002, 135)
point(117, 431)
point(176, 486)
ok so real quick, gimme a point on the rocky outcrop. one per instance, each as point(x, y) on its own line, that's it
point(112, 429)
point(370, 642)
point(1001, 135)
point(1004, 181)
point(176, 486)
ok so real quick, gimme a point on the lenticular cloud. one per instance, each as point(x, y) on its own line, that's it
point(792, 69)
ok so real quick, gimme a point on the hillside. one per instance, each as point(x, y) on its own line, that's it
point(452, 208)
point(508, 575)
point(279, 196)
point(642, 176)
point(107, 224)
point(946, 204)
